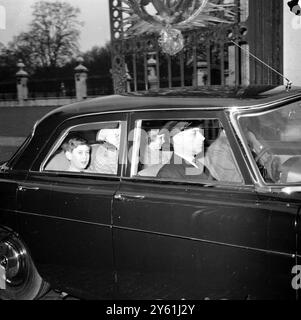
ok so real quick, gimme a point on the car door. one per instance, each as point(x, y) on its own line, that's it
point(283, 226)
point(10, 178)
point(9, 182)
point(207, 239)
point(67, 218)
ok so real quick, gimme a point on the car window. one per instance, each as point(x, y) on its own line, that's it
point(274, 140)
point(186, 150)
point(87, 148)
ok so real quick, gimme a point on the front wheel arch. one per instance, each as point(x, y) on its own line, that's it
point(23, 281)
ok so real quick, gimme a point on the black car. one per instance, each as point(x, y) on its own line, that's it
point(140, 212)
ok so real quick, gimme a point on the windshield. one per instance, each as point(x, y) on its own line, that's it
point(274, 140)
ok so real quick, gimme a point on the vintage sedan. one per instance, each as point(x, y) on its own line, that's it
point(90, 206)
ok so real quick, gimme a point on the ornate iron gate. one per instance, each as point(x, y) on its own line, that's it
point(211, 57)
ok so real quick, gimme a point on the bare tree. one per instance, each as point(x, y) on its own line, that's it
point(53, 35)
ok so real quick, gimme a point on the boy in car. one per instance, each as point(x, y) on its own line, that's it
point(77, 151)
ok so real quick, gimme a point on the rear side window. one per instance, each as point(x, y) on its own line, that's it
point(87, 148)
point(186, 150)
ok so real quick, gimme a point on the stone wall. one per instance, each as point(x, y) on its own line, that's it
point(47, 102)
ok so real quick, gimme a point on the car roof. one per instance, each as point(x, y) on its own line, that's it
point(249, 97)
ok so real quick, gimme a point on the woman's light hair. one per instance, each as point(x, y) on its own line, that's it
point(182, 136)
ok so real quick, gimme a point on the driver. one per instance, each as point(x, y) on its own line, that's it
point(291, 170)
point(268, 164)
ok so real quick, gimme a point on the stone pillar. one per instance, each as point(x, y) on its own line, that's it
point(22, 78)
point(152, 74)
point(81, 73)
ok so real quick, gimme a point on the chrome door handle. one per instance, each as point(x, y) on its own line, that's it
point(24, 188)
point(125, 196)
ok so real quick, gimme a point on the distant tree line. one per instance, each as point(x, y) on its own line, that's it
point(49, 49)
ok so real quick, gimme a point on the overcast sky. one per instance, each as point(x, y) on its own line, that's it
point(94, 14)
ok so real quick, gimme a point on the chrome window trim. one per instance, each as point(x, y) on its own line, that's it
point(64, 134)
point(235, 114)
point(202, 182)
point(136, 146)
point(254, 172)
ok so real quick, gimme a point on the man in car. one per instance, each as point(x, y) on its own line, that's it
point(188, 142)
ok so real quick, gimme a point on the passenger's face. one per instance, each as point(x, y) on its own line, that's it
point(79, 157)
point(193, 141)
point(157, 142)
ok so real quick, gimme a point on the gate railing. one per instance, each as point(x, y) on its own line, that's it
point(216, 56)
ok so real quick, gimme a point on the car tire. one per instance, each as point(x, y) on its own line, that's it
point(23, 281)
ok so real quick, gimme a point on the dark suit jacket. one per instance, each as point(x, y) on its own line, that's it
point(179, 169)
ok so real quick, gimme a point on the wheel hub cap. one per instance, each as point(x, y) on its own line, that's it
point(10, 258)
